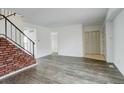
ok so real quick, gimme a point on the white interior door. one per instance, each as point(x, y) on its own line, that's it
point(54, 41)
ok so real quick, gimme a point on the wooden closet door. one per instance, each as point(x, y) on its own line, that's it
point(92, 42)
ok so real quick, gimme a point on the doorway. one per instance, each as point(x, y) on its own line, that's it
point(92, 45)
point(54, 43)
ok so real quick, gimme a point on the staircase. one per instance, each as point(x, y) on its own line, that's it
point(14, 53)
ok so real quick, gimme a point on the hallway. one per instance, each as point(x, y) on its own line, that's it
point(67, 70)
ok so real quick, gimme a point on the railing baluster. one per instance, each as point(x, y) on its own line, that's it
point(5, 27)
point(11, 30)
point(15, 35)
point(20, 38)
point(30, 46)
point(23, 41)
point(27, 44)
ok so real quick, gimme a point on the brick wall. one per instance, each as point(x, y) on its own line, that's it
point(12, 58)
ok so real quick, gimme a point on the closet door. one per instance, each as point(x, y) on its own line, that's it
point(92, 42)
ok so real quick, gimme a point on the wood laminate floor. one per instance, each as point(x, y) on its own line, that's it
point(95, 56)
point(67, 70)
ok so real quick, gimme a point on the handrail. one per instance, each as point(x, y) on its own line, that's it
point(19, 44)
point(9, 15)
point(16, 27)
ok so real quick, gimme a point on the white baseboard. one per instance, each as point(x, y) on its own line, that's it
point(69, 55)
point(43, 55)
point(15, 72)
point(120, 69)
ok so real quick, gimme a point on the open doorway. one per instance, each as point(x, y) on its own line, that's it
point(54, 43)
point(92, 45)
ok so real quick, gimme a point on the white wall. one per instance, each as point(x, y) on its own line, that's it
point(43, 40)
point(118, 44)
point(111, 15)
point(70, 41)
point(103, 40)
point(114, 38)
point(109, 41)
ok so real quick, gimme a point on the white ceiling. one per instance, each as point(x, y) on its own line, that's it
point(54, 17)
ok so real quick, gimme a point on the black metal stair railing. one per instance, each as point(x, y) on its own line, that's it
point(6, 13)
point(13, 33)
point(8, 16)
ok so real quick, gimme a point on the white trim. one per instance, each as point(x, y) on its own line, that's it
point(121, 71)
point(70, 55)
point(15, 72)
point(46, 54)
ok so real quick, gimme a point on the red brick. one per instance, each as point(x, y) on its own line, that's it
point(13, 58)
